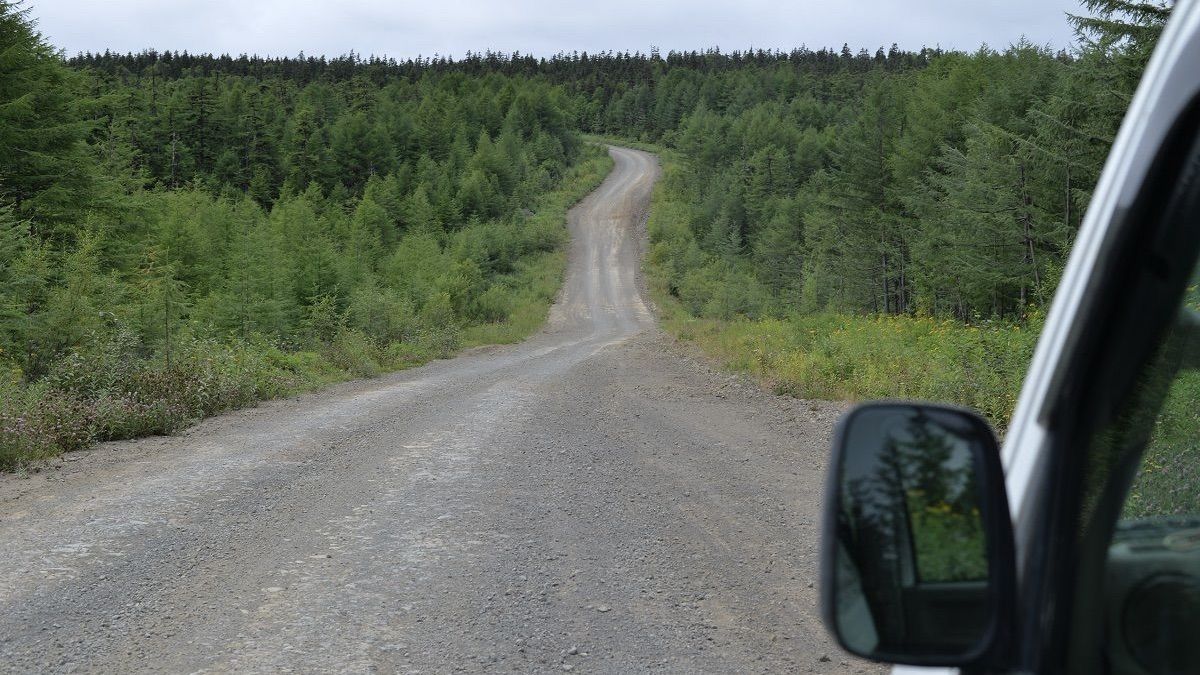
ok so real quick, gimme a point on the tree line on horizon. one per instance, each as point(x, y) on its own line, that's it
point(562, 68)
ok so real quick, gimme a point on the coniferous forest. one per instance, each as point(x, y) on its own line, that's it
point(181, 234)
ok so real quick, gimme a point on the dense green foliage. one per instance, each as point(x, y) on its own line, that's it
point(112, 385)
point(942, 184)
point(172, 246)
point(949, 190)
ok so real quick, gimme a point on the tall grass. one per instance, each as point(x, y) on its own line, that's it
point(850, 358)
point(1168, 480)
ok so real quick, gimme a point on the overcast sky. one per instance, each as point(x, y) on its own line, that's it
point(406, 28)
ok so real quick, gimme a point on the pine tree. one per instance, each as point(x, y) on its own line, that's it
point(862, 178)
point(14, 240)
point(163, 301)
point(46, 173)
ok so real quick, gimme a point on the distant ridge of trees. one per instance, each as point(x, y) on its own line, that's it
point(560, 68)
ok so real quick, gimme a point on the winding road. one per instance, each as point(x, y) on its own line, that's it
point(594, 499)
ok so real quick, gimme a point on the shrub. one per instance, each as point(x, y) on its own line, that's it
point(404, 354)
point(493, 305)
point(383, 314)
point(355, 353)
point(322, 321)
point(97, 365)
point(37, 423)
point(439, 327)
point(844, 357)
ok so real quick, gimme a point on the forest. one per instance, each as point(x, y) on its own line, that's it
point(176, 245)
point(881, 225)
point(945, 186)
point(182, 234)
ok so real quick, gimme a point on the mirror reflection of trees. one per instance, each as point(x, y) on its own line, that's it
point(910, 528)
point(918, 506)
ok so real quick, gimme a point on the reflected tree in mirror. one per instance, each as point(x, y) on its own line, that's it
point(912, 563)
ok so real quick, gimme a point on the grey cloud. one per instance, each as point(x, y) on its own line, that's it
point(405, 28)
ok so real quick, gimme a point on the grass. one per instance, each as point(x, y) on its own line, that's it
point(108, 389)
point(1168, 480)
point(852, 358)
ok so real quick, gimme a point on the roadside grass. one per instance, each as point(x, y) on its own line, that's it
point(845, 357)
point(852, 358)
point(109, 389)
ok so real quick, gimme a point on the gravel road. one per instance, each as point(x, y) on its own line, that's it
point(595, 499)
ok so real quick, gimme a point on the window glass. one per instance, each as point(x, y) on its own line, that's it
point(1143, 472)
point(1153, 572)
point(1168, 480)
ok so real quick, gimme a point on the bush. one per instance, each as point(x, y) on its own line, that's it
point(102, 391)
point(97, 365)
point(439, 326)
point(493, 305)
point(404, 354)
point(355, 353)
point(322, 321)
point(37, 422)
point(383, 314)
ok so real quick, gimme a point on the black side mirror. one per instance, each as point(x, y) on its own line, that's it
point(917, 559)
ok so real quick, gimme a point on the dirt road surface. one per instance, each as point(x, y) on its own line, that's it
point(594, 499)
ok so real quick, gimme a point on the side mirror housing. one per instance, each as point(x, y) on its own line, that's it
point(917, 563)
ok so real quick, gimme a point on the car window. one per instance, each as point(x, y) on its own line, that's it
point(1168, 478)
point(1153, 570)
point(1144, 468)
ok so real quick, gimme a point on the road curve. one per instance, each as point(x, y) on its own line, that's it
point(591, 499)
